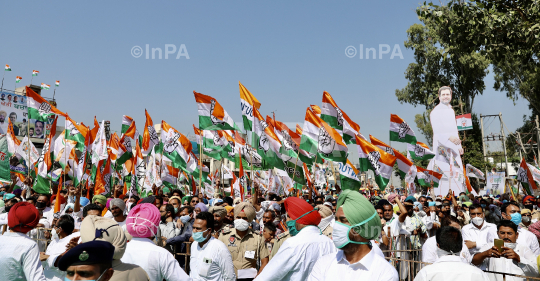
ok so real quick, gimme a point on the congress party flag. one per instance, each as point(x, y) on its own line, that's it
point(316, 109)
point(39, 108)
point(176, 147)
point(45, 86)
point(473, 172)
point(103, 179)
point(338, 119)
point(76, 133)
point(35, 73)
point(535, 172)
point(247, 102)
point(420, 151)
point(385, 147)
point(212, 116)
point(400, 131)
point(18, 79)
point(464, 122)
point(319, 139)
point(348, 176)
point(126, 122)
point(8, 68)
point(375, 159)
point(150, 137)
point(266, 142)
point(525, 177)
point(425, 177)
point(404, 164)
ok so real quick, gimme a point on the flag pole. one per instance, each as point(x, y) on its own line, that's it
point(2, 88)
point(200, 159)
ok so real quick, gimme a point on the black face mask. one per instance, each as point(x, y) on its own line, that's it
point(6, 208)
point(163, 219)
point(530, 207)
point(41, 205)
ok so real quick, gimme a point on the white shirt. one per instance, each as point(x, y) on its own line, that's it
point(56, 248)
point(335, 266)
point(429, 251)
point(19, 258)
point(485, 235)
point(297, 256)
point(211, 262)
point(3, 219)
point(450, 268)
point(108, 215)
point(527, 265)
point(527, 238)
point(158, 263)
point(48, 213)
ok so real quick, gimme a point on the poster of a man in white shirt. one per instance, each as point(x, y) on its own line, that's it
point(446, 144)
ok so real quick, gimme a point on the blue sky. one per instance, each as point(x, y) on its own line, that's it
point(285, 52)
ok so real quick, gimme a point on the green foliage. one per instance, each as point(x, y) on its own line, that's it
point(424, 125)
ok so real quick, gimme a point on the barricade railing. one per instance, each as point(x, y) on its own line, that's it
point(411, 272)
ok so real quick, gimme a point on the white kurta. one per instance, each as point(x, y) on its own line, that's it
point(529, 239)
point(429, 251)
point(450, 268)
point(527, 265)
point(297, 256)
point(485, 235)
point(158, 263)
point(335, 266)
point(54, 249)
point(19, 258)
point(211, 262)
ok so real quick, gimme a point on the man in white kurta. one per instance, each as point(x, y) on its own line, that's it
point(429, 249)
point(515, 258)
point(479, 232)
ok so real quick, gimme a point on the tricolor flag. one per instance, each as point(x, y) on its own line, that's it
point(525, 177)
point(103, 179)
point(385, 147)
point(125, 151)
point(8, 68)
point(39, 108)
point(211, 115)
point(338, 119)
point(126, 122)
point(176, 147)
point(45, 86)
point(35, 73)
point(152, 174)
point(316, 109)
point(348, 176)
point(250, 157)
point(474, 172)
point(404, 164)
point(247, 103)
point(150, 137)
point(290, 154)
point(99, 146)
point(322, 141)
point(139, 169)
point(535, 172)
point(420, 151)
point(57, 83)
point(464, 122)
point(467, 184)
point(12, 141)
point(18, 79)
point(76, 133)
point(400, 130)
point(425, 177)
point(375, 159)
point(266, 142)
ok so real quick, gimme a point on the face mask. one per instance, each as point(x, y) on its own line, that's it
point(516, 218)
point(241, 224)
point(510, 245)
point(176, 210)
point(185, 219)
point(483, 205)
point(41, 205)
point(54, 234)
point(526, 219)
point(477, 221)
point(422, 214)
point(163, 219)
point(340, 234)
point(6, 208)
point(530, 207)
point(198, 236)
point(442, 253)
point(291, 225)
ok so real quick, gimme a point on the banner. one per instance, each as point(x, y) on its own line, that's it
point(14, 107)
point(4, 160)
point(464, 122)
point(495, 183)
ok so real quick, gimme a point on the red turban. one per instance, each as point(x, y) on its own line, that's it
point(527, 198)
point(23, 217)
point(297, 207)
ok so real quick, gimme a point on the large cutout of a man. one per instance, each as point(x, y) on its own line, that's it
point(446, 143)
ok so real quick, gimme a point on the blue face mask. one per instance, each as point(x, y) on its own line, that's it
point(291, 225)
point(483, 205)
point(185, 219)
point(516, 218)
point(199, 237)
point(176, 210)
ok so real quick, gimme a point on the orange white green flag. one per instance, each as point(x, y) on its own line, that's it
point(320, 140)
point(348, 176)
point(76, 132)
point(212, 116)
point(126, 122)
point(176, 147)
point(525, 177)
point(266, 142)
point(247, 102)
point(385, 147)
point(338, 119)
point(420, 151)
point(39, 108)
point(45, 162)
point(400, 131)
point(150, 137)
point(425, 177)
point(375, 159)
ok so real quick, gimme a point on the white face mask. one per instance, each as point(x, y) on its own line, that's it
point(54, 234)
point(241, 224)
point(477, 221)
point(421, 214)
point(510, 245)
point(442, 253)
point(526, 219)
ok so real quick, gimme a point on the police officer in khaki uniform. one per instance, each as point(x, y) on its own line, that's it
point(219, 213)
point(245, 246)
point(279, 241)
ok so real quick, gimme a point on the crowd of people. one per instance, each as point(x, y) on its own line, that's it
point(338, 235)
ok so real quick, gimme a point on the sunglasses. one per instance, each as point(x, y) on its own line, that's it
point(193, 201)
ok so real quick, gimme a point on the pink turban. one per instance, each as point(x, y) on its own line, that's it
point(143, 221)
point(391, 197)
point(535, 229)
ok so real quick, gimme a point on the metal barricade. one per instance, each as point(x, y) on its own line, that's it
point(411, 273)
